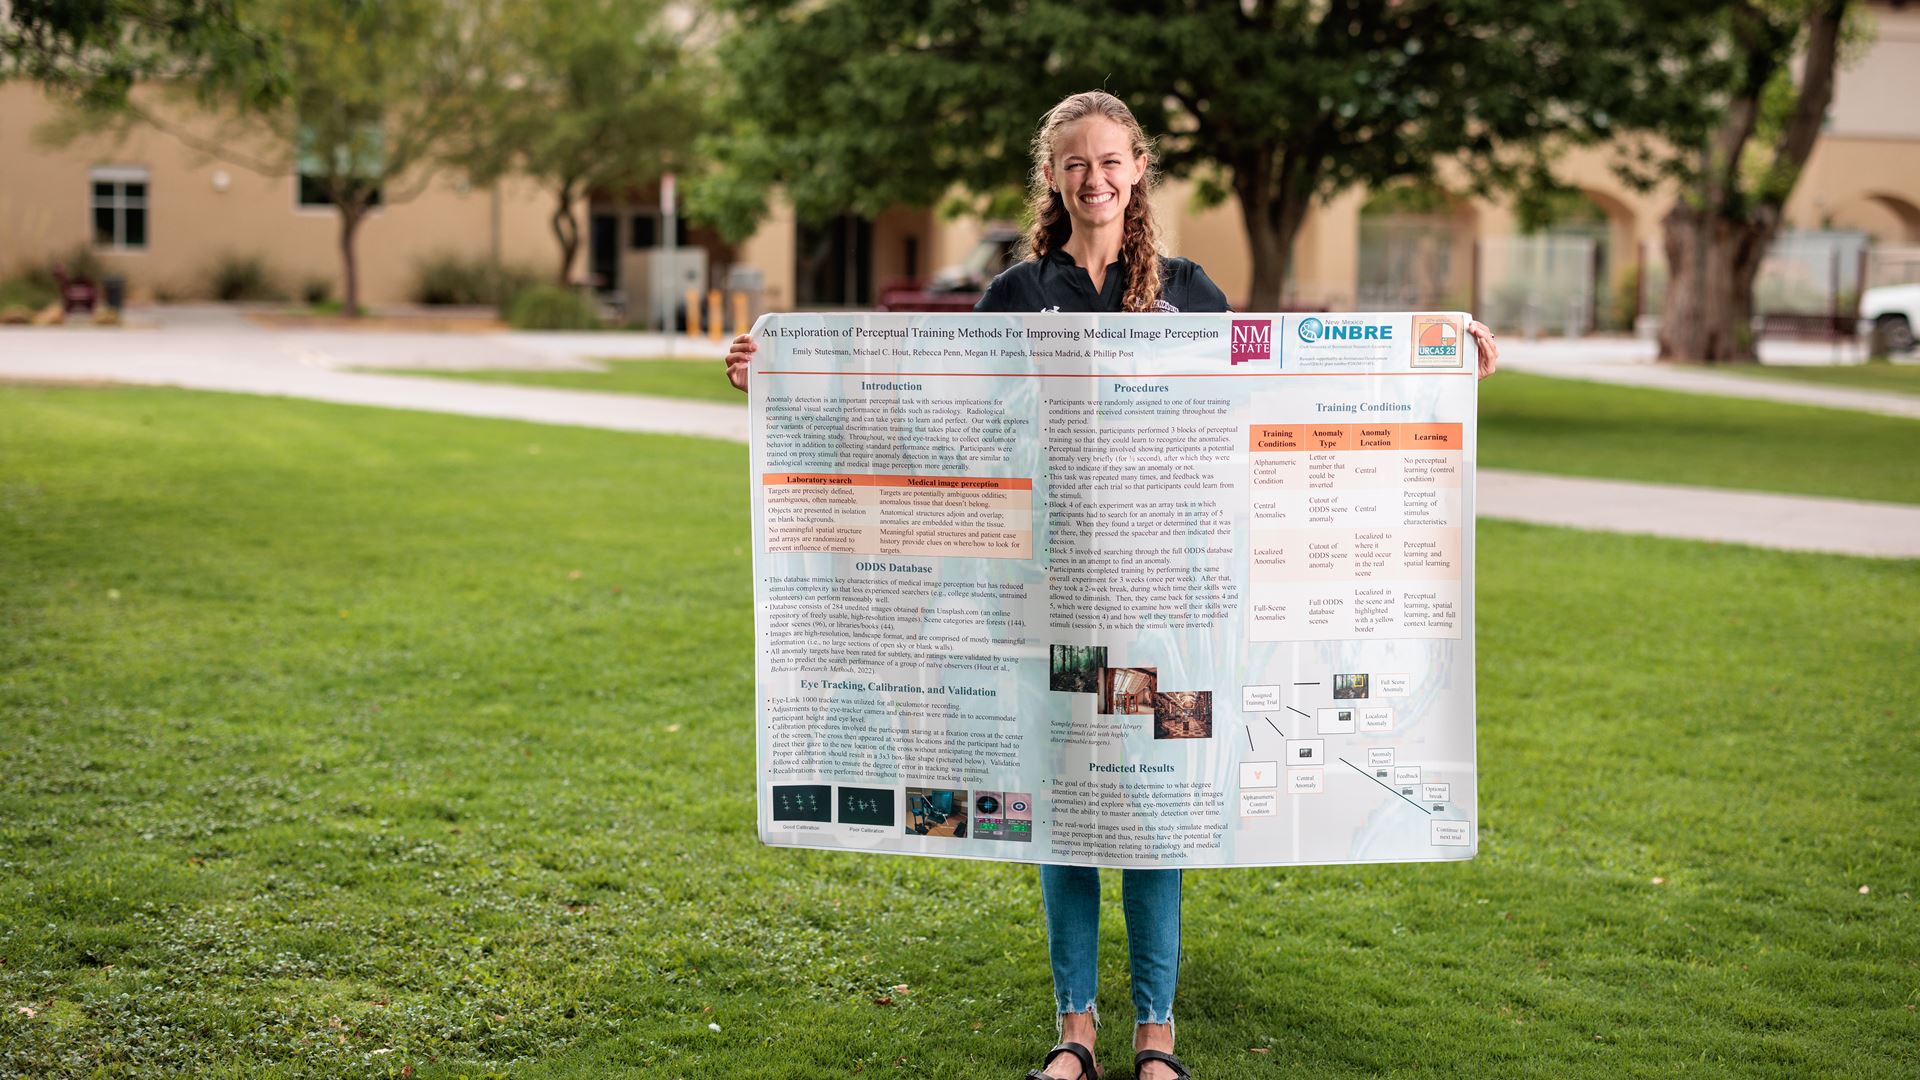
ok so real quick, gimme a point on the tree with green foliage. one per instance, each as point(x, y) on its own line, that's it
point(598, 95)
point(856, 105)
point(364, 99)
point(96, 52)
point(1767, 68)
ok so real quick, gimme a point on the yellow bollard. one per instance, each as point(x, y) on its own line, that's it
point(693, 313)
point(716, 315)
point(740, 311)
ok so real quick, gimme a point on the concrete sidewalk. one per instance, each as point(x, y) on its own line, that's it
point(1630, 362)
point(149, 364)
point(1758, 519)
point(310, 365)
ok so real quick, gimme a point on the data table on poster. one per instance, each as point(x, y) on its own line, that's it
point(869, 514)
point(1355, 531)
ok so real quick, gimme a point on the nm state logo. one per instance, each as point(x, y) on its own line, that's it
point(1252, 340)
point(1436, 341)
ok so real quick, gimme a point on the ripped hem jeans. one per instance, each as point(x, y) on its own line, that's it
point(1151, 901)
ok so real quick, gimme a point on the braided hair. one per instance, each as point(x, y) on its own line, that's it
point(1140, 239)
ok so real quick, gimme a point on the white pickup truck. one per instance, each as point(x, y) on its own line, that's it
point(1891, 314)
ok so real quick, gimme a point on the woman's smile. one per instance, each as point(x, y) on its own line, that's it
point(1094, 168)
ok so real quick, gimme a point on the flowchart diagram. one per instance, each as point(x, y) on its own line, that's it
point(1341, 725)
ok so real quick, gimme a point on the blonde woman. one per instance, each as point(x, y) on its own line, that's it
point(1093, 247)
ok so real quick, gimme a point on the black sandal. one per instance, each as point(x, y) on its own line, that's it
point(1088, 1070)
point(1179, 1070)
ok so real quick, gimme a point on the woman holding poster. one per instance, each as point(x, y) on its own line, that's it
point(1093, 247)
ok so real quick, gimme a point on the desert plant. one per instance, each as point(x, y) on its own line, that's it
point(451, 279)
point(316, 291)
point(550, 307)
point(31, 289)
point(448, 278)
point(79, 261)
point(242, 277)
point(1623, 306)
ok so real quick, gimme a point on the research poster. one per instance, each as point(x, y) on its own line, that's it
point(1116, 590)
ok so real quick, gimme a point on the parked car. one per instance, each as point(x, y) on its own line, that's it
point(1891, 313)
point(956, 288)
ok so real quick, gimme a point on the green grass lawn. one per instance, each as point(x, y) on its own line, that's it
point(1543, 424)
point(344, 742)
point(1902, 378)
point(1549, 425)
point(702, 378)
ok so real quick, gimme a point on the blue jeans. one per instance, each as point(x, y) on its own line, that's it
point(1151, 900)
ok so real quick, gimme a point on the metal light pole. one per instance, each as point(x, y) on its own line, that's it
point(670, 270)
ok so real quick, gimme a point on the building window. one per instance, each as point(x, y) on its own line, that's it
point(119, 207)
point(360, 153)
point(313, 192)
point(645, 231)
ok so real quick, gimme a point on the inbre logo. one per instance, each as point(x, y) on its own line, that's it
point(1252, 340)
point(1312, 330)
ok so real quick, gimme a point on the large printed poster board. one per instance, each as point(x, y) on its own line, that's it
point(1116, 590)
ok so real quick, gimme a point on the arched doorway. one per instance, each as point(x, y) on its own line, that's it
point(1885, 217)
point(1416, 250)
point(1569, 270)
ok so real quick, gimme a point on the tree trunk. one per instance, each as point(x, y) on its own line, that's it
point(566, 229)
point(1717, 237)
point(1272, 223)
point(350, 218)
point(1713, 259)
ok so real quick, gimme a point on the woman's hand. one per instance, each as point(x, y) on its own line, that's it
point(740, 361)
point(1488, 348)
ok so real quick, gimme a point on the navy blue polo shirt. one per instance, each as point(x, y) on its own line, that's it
point(1057, 283)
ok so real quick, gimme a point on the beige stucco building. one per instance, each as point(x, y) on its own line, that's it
point(162, 213)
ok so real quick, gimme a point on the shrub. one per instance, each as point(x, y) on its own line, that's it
point(1623, 304)
point(550, 307)
point(80, 262)
point(316, 291)
point(242, 277)
point(33, 285)
point(454, 279)
point(32, 290)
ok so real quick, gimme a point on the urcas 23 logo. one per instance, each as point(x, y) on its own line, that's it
point(1436, 341)
point(1252, 340)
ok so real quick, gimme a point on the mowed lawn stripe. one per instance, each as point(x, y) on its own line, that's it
point(1900, 378)
point(1540, 424)
point(702, 378)
point(1536, 423)
point(328, 731)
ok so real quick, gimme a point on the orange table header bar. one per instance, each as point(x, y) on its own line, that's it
point(1431, 437)
point(811, 479)
point(1277, 437)
point(934, 483)
point(1294, 438)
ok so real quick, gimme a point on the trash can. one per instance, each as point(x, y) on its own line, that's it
point(114, 288)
